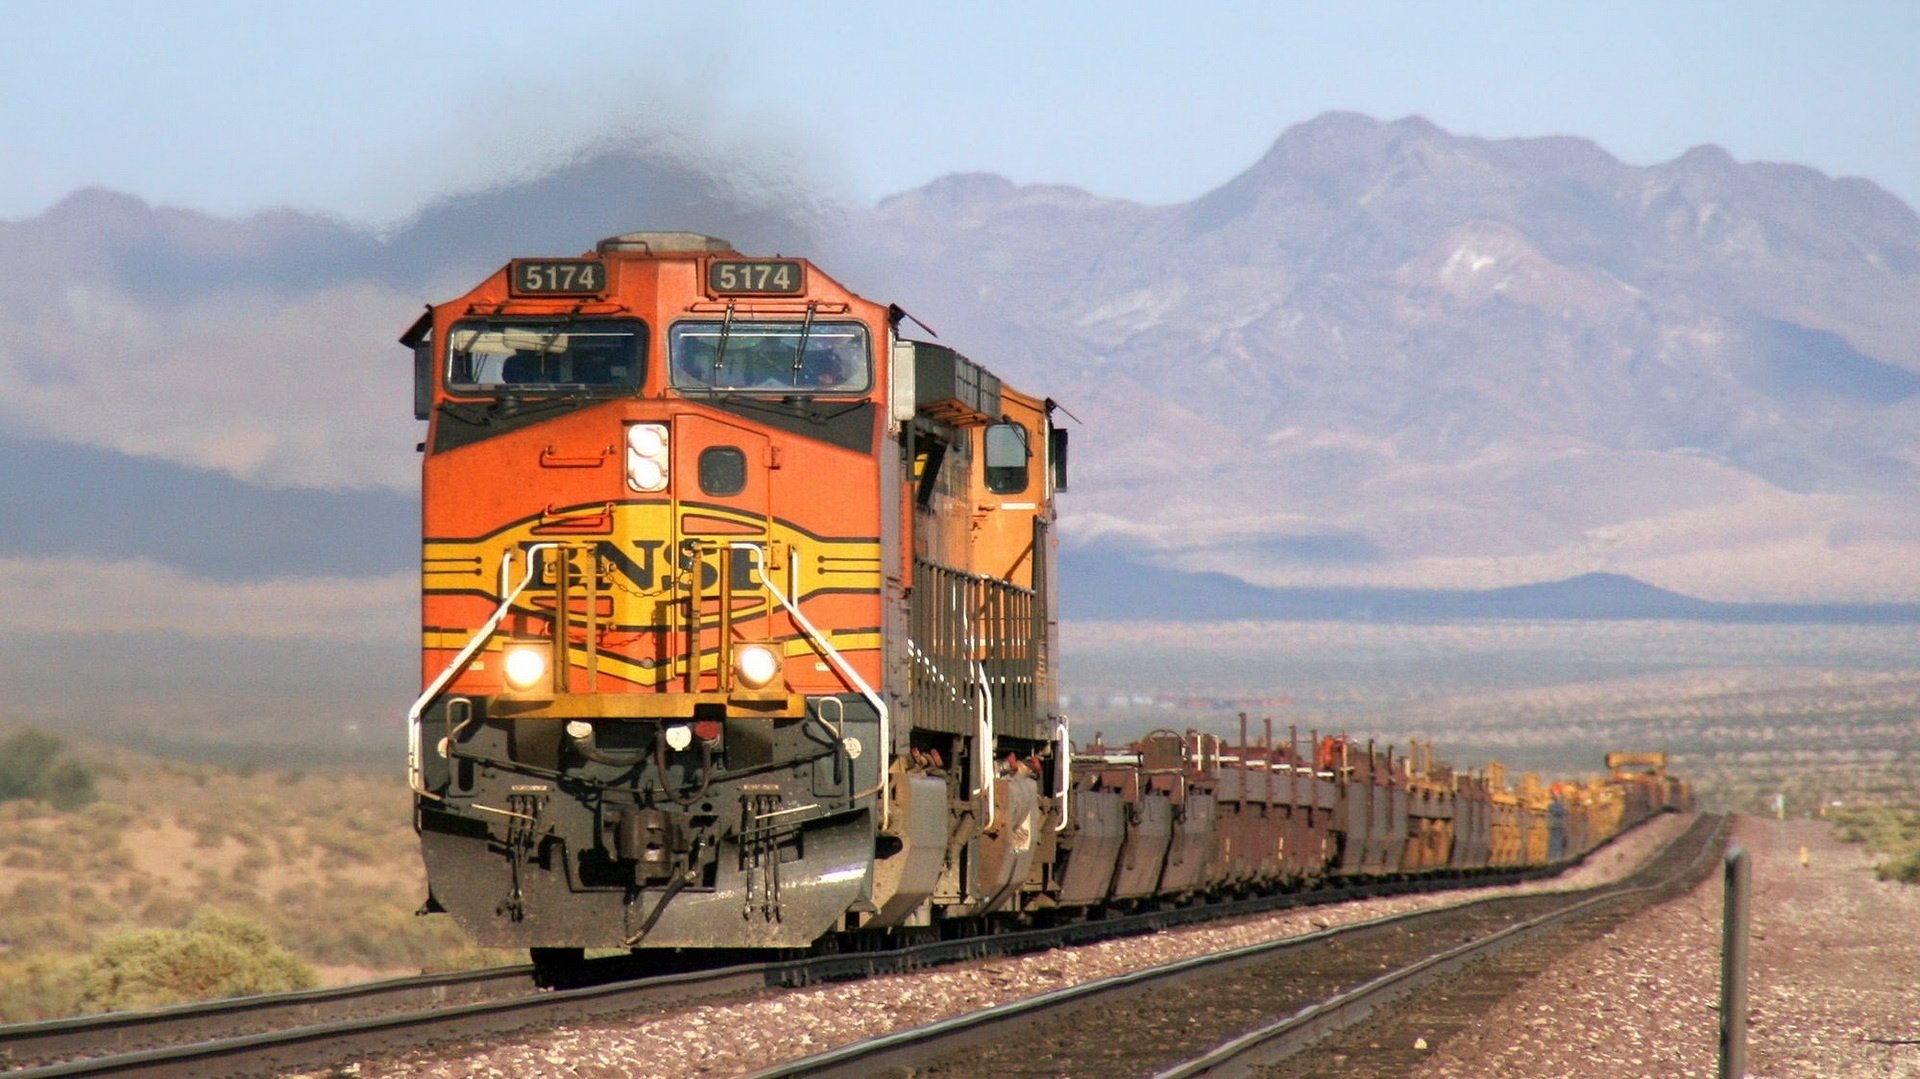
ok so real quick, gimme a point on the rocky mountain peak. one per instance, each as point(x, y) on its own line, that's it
point(1498, 360)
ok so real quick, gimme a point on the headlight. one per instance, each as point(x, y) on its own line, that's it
point(756, 664)
point(645, 474)
point(525, 665)
point(647, 439)
point(647, 457)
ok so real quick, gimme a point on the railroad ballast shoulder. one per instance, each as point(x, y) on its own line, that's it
point(738, 630)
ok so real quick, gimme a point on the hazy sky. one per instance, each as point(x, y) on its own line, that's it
point(367, 109)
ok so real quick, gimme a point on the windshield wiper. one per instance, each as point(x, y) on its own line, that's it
point(720, 353)
point(800, 349)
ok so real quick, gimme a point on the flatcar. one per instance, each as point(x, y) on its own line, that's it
point(738, 631)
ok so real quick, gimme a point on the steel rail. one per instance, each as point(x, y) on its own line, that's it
point(322, 1044)
point(1277, 1041)
point(914, 1046)
point(56, 1038)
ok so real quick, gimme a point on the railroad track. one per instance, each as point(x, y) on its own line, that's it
point(366, 1020)
point(1271, 999)
point(318, 1028)
point(126, 1032)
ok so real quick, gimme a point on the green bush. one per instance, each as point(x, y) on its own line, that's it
point(1883, 829)
point(1905, 870)
point(1888, 830)
point(35, 764)
point(40, 918)
point(216, 955)
point(35, 989)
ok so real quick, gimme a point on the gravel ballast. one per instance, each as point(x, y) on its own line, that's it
point(736, 1038)
point(1833, 992)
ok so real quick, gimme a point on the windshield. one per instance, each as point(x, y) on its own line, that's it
point(767, 357)
point(603, 353)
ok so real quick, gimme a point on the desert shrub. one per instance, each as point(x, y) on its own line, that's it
point(216, 955)
point(107, 819)
point(49, 841)
point(24, 758)
point(341, 848)
point(276, 810)
point(251, 864)
point(346, 923)
point(36, 989)
point(453, 951)
point(35, 764)
point(23, 811)
point(1889, 830)
point(133, 890)
point(1883, 829)
point(40, 918)
point(36, 897)
point(246, 831)
point(1906, 870)
point(166, 908)
point(69, 784)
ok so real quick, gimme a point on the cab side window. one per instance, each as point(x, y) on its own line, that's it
point(1006, 455)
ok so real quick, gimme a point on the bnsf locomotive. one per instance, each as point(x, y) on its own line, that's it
point(738, 631)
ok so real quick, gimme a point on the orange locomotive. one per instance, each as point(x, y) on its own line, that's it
point(728, 594)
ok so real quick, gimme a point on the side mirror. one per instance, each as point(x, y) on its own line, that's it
point(422, 379)
point(901, 401)
point(419, 338)
point(1057, 456)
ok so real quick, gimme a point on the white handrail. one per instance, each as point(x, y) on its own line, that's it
point(466, 654)
point(983, 739)
point(833, 656)
point(983, 743)
point(1064, 755)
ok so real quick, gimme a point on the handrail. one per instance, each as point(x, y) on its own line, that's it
point(1064, 754)
point(983, 736)
point(984, 743)
point(460, 661)
point(833, 656)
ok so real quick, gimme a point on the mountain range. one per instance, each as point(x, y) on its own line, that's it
point(1111, 586)
point(1385, 372)
point(1388, 355)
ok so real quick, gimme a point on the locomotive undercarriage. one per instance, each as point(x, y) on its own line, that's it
point(736, 833)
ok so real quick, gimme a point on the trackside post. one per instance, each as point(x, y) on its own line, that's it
point(1736, 912)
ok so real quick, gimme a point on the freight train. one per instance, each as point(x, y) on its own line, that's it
point(738, 630)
